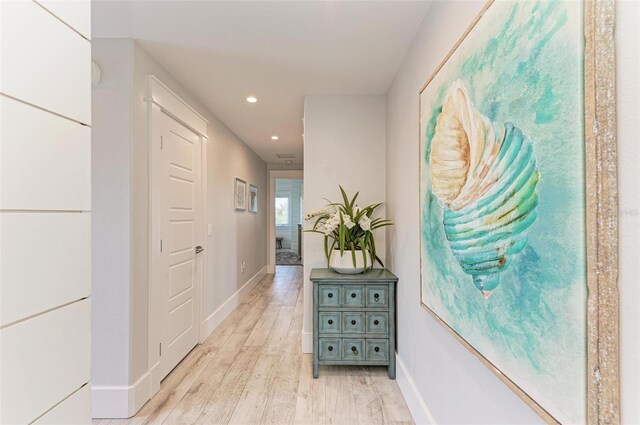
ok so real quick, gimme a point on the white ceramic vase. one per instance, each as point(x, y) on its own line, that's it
point(344, 263)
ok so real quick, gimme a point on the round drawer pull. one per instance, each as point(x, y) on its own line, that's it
point(354, 349)
point(376, 296)
point(330, 295)
point(330, 322)
point(330, 348)
point(353, 295)
point(353, 322)
point(376, 322)
point(376, 349)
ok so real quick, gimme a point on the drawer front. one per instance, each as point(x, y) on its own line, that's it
point(377, 296)
point(353, 323)
point(330, 349)
point(377, 349)
point(353, 296)
point(353, 349)
point(378, 323)
point(329, 322)
point(329, 296)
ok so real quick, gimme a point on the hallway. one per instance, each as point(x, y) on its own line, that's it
point(251, 371)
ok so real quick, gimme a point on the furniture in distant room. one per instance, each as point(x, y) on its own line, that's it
point(279, 242)
point(354, 319)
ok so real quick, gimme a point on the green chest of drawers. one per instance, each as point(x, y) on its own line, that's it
point(354, 319)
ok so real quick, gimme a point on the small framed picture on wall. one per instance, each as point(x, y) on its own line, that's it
point(240, 190)
point(253, 198)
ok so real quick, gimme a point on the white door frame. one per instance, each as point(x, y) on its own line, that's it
point(161, 100)
point(271, 240)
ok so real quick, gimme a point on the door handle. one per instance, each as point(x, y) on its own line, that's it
point(199, 249)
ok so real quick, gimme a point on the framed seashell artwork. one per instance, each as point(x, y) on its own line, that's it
point(518, 202)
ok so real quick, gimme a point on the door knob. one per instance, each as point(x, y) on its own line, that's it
point(199, 249)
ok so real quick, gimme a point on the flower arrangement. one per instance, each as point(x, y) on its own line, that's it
point(347, 226)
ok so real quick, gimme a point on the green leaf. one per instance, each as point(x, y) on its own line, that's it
point(347, 205)
point(358, 216)
point(373, 251)
point(381, 225)
point(353, 254)
point(326, 247)
point(353, 201)
point(364, 252)
point(331, 249)
point(341, 235)
point(374, 206)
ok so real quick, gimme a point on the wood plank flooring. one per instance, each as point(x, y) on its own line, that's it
point(251, 371)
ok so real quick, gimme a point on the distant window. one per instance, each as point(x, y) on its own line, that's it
point(282, 211)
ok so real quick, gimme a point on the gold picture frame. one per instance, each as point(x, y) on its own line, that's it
point(602, 333)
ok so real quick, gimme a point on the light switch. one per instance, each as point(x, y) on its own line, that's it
point(210, 230)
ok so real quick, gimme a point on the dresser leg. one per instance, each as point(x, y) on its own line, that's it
point(315, 369)
point(392, 367)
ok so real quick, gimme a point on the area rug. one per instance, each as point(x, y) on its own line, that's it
point(287, 258)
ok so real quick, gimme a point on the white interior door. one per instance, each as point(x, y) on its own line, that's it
point(180, 224)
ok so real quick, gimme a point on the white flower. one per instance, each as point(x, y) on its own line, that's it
point(326, 211)
point(313, 213)
point(334, 220)
point(365, 223)
point(327, 230)
point(348, 223)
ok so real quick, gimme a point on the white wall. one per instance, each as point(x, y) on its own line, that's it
point(284, 167)
point(120, 235)
point(344, 144)
point(111, 227)
point(45, 212)
point(442, 381)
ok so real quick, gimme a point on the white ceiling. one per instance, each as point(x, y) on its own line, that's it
point(224, 51)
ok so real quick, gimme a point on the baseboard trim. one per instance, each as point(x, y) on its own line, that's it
point(154, 379)
point(307, 342)
point(120, 402)
point(417, 406)
point(213, 321)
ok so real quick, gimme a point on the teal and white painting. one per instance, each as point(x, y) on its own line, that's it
point(502, 188)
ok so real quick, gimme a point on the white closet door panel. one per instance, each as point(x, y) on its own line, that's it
point(44, 360)
point(44, 62)
point(45, 160)
point(46, 262)
point(75, 13)
point(75, 410)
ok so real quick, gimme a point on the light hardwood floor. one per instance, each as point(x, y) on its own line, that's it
point(251, 371)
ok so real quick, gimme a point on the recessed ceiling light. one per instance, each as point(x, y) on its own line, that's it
point(274, 137)
point(252, 99)
point(289, 161)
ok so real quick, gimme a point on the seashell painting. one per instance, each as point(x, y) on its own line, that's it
point(484, 174)
point(502, 199)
